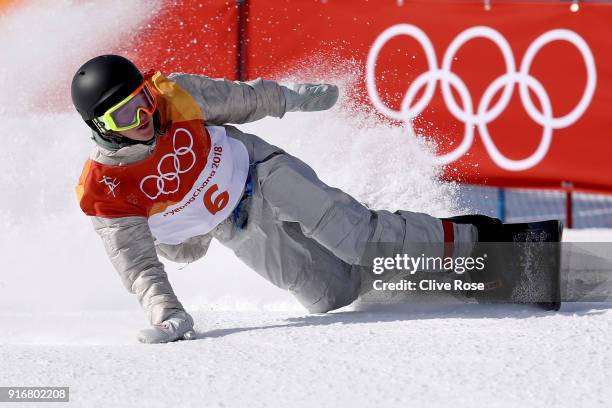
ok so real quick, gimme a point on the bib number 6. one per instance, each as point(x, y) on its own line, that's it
point(217, 203)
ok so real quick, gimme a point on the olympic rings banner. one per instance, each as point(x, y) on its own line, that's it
point(518, 94)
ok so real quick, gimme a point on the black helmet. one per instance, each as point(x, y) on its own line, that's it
point(102, 82)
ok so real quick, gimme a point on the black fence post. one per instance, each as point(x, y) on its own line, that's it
point(242, 7)
point(569, 204)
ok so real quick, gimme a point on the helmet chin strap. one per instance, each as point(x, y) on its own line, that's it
point(113, 141)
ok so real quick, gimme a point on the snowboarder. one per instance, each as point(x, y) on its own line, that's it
point(168, 173)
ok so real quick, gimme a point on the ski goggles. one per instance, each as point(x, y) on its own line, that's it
point(125, 115)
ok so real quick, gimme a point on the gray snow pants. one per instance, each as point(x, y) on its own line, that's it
point(309, 238)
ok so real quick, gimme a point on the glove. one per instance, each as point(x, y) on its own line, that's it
point(178, 327)
point(309, 97)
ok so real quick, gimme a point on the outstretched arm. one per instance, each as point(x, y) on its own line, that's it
point(129, 244)
point(224, 101)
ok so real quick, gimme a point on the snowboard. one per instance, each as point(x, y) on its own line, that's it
point(523, 265)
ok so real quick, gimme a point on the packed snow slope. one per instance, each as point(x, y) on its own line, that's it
point(459, 356)
point(66, 320)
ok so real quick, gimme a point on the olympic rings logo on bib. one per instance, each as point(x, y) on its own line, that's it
point(171, 166)
point(484, 113)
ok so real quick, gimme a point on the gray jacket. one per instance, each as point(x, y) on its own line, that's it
point(128, 241)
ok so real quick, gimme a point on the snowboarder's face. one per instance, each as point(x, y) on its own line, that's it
point(142, 133)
